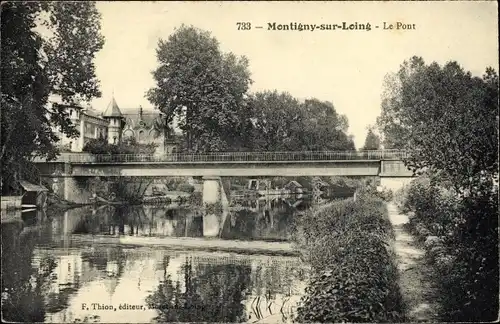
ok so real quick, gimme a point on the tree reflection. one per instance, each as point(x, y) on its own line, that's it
point(211, 293)
point(268, 223)
point(22, 295)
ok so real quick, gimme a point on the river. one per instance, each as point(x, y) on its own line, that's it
point(75, 266)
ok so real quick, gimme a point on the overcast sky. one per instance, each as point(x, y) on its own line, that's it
point(344, 67)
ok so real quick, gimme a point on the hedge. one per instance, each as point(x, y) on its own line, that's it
point(354, 275)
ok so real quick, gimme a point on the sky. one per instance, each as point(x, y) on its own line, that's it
point(345, 67)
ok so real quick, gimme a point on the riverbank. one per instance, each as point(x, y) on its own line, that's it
point(417, 290)
point(459, 235)
point(340, 241)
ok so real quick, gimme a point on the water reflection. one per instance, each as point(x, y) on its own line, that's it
point(21, 285)
point(55, 284)
point(259, 220)
point(207, 292)
point(48, 275)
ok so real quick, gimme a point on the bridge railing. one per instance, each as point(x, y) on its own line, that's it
point(234, 156)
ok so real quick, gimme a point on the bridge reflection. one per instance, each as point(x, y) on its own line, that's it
point(46, 282)
point(256, 220)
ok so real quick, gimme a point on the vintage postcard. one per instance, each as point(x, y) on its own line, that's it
point(260, 162)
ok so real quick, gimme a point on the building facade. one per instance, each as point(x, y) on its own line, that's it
point(117, 126)
point(145, 127)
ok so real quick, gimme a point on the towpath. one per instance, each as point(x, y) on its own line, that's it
point(415, 276)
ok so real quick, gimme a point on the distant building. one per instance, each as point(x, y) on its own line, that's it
point(146, 127)
point(117, 125)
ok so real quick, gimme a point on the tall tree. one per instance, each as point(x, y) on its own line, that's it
point(324, 128)
point(282, 123)
point(277, 121)
point(391, 122)
point(33, 68)
point(202, 86)
point(372, 141)
point(75, 28)
point(449, 120)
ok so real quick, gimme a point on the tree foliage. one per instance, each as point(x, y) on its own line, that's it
point(276, 120)
point(33, 68)
point(208, 91)
point(202, 86)
point(324, 128)
point(101, 146)
point(71, 49)
point(391, 120)
point(372, 141)
point(282, 123)
point(446, 118)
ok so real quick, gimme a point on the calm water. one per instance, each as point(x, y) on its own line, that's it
point(52, 272)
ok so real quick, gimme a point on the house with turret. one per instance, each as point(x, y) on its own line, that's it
point(116, 125)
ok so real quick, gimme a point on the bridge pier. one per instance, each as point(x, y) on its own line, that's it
point(215, 206)
point(211, 190)
point(66, 186)
point(394, 175)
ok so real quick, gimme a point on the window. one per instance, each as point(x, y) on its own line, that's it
point(114, 139)
point(71, 112)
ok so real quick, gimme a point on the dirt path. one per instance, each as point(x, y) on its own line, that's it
point(415, 275)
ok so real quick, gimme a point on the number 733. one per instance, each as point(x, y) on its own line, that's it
point(244, 25)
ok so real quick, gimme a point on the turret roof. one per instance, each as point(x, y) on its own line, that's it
point(112, 110)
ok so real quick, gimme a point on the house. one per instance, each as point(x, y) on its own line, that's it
point(146, 127)
point(117, 125)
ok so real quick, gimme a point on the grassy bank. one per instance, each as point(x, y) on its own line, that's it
point(460, 237)
point(354, 275)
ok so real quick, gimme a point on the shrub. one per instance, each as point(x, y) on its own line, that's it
point(101, 146)
point(346, 182)
point(196, 199)
point(354, 277)
point(466, 254)
point(185, 187)
point(399, 198)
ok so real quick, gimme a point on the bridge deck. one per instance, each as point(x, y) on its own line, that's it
point(230, 157)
